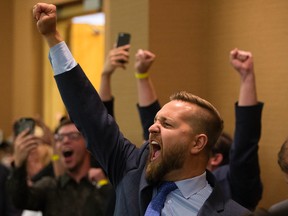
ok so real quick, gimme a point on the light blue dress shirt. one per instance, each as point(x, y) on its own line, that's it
point(188, 198)
point(61, 58)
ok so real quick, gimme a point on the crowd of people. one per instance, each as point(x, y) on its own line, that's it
point(187, 164)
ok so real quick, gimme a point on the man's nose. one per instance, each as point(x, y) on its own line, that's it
point(154, 128)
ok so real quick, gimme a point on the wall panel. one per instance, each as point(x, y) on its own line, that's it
point(6, 44)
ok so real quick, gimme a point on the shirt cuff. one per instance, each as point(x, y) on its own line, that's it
point(61, 58)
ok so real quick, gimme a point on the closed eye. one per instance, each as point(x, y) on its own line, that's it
point(166, 124)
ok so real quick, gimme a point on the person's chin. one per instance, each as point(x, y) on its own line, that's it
point(69, 165)
point(152, 172)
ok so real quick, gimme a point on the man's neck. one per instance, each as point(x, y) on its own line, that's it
point(78, 174)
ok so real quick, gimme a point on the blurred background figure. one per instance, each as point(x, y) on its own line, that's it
point(236, 165)
point(71, 192)
point(6, 153)
point(220, 152)
point(281, 208)
point(283, 159)
point(33, 140)
point(6, 206)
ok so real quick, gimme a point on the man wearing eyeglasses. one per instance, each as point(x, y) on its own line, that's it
point(72, 193)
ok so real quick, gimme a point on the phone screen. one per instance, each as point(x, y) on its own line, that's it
point(24, 123)
point(123, 39)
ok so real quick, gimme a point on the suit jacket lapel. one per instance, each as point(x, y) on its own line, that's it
point(146, 191)
point(215, 202)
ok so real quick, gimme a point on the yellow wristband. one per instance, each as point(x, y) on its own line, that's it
point(55, 157)
point(141, 75)
point(102, 183)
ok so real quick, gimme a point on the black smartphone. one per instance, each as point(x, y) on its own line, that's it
point(24, 123)
point(123, 39)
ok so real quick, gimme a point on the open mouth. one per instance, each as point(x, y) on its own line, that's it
point(156, 150)
point(67, 153)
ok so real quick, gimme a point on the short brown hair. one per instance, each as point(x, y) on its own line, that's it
point(63, 121)
point(223, 146)
point(208, 121)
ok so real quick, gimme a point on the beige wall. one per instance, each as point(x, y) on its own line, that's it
point(21, 60)
point(192, 40)
point(124, 86)
point(26, 67)
point(178, 35)
point(27, 83)
point(6, 42)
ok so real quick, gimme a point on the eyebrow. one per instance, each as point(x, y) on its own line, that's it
point(162, 119)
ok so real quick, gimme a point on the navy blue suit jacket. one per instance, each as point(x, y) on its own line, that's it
point(123, 162)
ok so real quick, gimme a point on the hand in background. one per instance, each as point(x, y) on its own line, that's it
point(143, 60)
point(117, 57)
point(97, 177)
point(24, 143)
point(242, 61)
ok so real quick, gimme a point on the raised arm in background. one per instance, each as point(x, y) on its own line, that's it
point(148, 104)
point(242, 62)
point(118, 57)
point(244, 174)
point(146, 92)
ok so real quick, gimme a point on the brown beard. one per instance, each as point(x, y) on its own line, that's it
point(172, 160)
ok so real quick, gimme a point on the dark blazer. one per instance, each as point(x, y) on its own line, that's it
point(123, 162)
point(240, 179)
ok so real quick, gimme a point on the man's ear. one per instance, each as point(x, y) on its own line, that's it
point(199, 143)
point(216, 160)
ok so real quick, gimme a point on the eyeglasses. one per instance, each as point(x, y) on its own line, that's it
point(70, 136)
